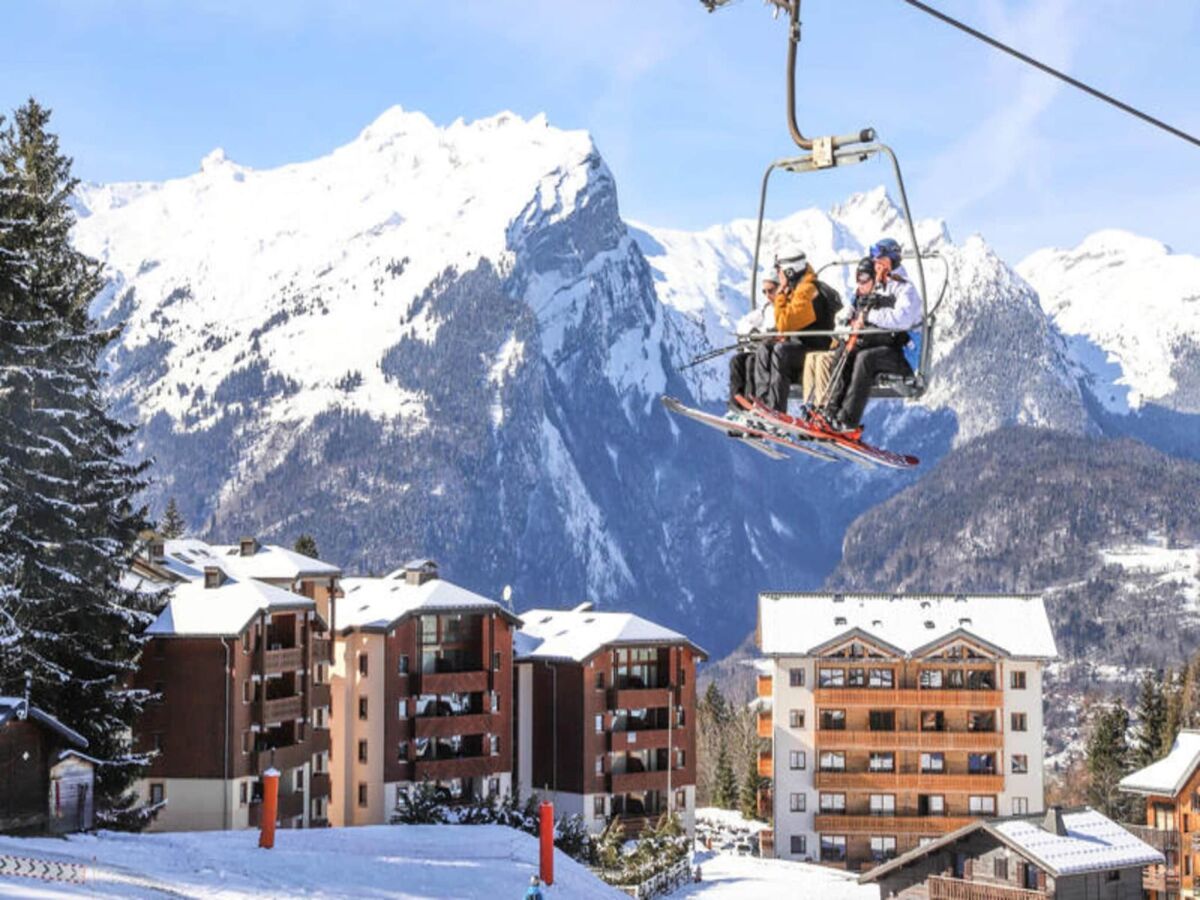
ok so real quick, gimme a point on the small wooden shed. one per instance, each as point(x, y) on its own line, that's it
point(46, 781)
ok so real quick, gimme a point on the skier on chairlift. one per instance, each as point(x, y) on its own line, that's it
point(742, 367)
point(894, 304)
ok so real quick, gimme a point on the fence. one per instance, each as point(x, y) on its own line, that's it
point(658, 884)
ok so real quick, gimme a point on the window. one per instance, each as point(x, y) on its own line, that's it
point(882, 847)
point(495, 701)
point(882, 720)
point(598, 806)
point(243, 793)
point(795, 718)
point(1115, 874)
point(833, 720)
point(496, 661)
point(246, 692)
point(981, 764)
point(362, 707)
point(933, 720)
point(933, 762)
point(682, 680)
point(599, 681)
point(298, 779)
point(832, 678)
point(881, 678)
point(247, 741)
point(362, 793)
point(883, 804)
point(1000, 868)
point(158, 793)
point(796, 677)
point(1020, 722)
point(1020, 806)
point(797, 802)
point(681, 799)
point(679, 717)
point(1020, 764)
point(799, 843)
point(833, 847)
point(833, 761)
point(362, 751)
point(931, 679)
point(981, 805)
point(882, 762)
point(402, 667)
point(158, 741)
point(981, 721)
point(1017, 681)
point(858, 678)
point(363, 659)
point(797, 759)
point(599, 765)
point(1031, 877)
point(931, 805)
point(402, 709)
point(833, 803)
point(494, 744)
point(245, 641)
point(599, 724)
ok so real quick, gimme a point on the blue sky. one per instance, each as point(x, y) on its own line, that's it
point(686, 107)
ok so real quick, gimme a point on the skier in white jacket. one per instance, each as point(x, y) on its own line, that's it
point(759, 320)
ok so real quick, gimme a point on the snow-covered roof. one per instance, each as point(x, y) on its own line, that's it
point(11, 706)
point(1168, 776)
point(194, 610)
point(378, 602)
point(188, 557)
point(1092, 842)
point(800, 624)
point(575, 634)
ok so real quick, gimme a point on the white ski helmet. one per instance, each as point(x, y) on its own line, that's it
point(792, 263)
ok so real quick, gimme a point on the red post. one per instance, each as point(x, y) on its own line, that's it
point(546, 821)
point(270, 808)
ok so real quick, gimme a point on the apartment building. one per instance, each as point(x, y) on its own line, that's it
point(422, 693)
point(1171, 788)
point(606, 716)
point(238, 663)
point(894, 719)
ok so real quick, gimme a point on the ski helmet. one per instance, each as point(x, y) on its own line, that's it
point(866, 266)
point(889, 248)
point(792, 264)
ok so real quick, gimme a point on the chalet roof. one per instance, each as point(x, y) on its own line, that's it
point(11, 706)
point(1092, 843)
point(188, 557)
point(1169, 775)
point(378, 602)
point(801, 624)
point(574, 635)
point(194, 610)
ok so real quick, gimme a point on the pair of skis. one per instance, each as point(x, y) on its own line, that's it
point(774, 434)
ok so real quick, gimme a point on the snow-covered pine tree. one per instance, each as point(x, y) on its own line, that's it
point(306, 544)
point(172, 525)
point(69, 491)
point(1151, 715)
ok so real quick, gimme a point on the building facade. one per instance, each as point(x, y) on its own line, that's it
point(889, 720)
point(1171, 789)
point(606, 716)
point(46, 781)
point(237, 665)
point(422, 693)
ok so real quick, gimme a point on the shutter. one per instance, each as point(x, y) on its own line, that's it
point(968, 869)
point(1041, 880)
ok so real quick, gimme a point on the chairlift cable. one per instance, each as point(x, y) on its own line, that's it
point(1049, 70)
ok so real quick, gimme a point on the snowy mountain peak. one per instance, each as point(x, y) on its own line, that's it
point(216, 159)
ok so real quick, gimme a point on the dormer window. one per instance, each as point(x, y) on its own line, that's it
point(929, 623)
point(214, 576)
point(839, 620)
point(964, 622)
point(248, 546)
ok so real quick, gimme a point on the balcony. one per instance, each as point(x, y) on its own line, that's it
point(283, 758)
point(284, 710)
point(644, 739)
point(470, 682)
point(289, 660)
point(929, 698)
point(291, 805)
point(763, 686)
point(843, 824)
point(322, 649)
point(912, 781)
point(942, 888)
point(766, 843)
point(446, 726)
point(459, 767)
point(322, 695)
point(319, 785)
point(639, 698)
point(629, 782)
point(910, 740)
point(766, 765)
point(1161, 839)
point(1154, 878)
point(766, 726)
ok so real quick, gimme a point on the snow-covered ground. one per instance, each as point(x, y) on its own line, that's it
point(727, 876)
point(714, 816)
point(400, 862)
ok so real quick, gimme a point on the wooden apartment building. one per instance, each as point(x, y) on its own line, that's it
point(238, 661)
point(422, 693)
point(606, 716)
point(890, 720)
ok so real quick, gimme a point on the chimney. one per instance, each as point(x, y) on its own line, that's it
point(1053, 822)
point(214, 576)
point(585, 606)
point(419, 571)
point(248, 546)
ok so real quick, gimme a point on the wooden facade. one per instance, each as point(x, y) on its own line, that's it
point(1173, 826)
point(45, 786)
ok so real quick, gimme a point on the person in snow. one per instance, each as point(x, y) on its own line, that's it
point(741, 365)
point(893, 304)
point(798, 307)
point(535, 889)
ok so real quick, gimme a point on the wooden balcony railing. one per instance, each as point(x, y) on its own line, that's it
point(288, 660)
point(766, 843)
point(322, 650)
point(943, 888)
point(1160, 879)
point(983, 784)
point(766, 766)
point(763, 687)
point(1161, 839)
point(284, 709)
point(838, 824)
point(322, 695)
point(881, 698)
point(910, 740)
point(765, 724)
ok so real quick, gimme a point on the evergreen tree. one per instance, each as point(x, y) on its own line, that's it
point(306, 545)
point(725, 791)
point(748, 804)
point(172, 525)
point(68, 526)
point(1108, 761)
point(714, 705)
point(1173, 688)
point(1151, 716)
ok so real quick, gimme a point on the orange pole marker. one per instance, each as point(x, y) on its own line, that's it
point(270, 807)
point(546, 821)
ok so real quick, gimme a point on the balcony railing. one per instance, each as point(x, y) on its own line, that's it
point(766, 843)
point(644, 739)
point(639, 698)
point(912, 781)
point(1161, 839)
point(284, 709)
point(288, 660)
point(766, 725)
point(322, 649)
point(943, 888)
point(628, 782)
point(445, 726)
point(830, 823)
point(1154, 878)
point(929, 698)
point(471, 682)
point(763, 687)
point(766, 766)
point(910, 740)
point(291, 804)
point(322, 695)
point(459, 767)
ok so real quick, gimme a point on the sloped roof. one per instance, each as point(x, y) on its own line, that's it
point(378, 602)
point(193, 610)
point(188, 557)
point(10, 706)
point(799, 624)
point(574, 635)
point(1168, 776)
point(1092, 843)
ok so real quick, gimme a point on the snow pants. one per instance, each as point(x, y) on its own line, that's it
point(778, 364)
point(865, 365)
point(741, 376)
